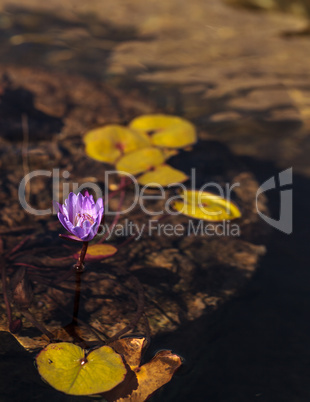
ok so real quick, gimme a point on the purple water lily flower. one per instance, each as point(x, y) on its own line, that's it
point(80, 215)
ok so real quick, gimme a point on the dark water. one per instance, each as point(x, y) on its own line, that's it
point(256, 347)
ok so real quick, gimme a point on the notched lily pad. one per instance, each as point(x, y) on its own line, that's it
point(167, 131)
point(162, 176)
point(140, 161)
point(109, 143)
point(69, 369)
point(206, 206)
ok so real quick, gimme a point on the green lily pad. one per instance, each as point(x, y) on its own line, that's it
point(69, 369)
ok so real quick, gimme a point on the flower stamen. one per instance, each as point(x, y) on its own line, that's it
point(80, 218)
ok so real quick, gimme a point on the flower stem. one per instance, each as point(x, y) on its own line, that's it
point(77, 297)
point(18, 246)
point(123, 184)
point(79, 266)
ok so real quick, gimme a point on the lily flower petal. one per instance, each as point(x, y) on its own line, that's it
point(80, 215)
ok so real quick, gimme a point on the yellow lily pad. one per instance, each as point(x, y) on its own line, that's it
point(140, 161)
point(162, 175)
point(167, 131)
point(108, 143)
point(206, 206)
point(68, 368)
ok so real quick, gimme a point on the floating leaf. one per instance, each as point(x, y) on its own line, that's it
point(98, 251)
point(140, 161)
point(162, 175)
point(206, 206)
point(131, 349)
point(107, 144)
point(169, 152)
point(69, 369)
point(167, 131)
point(151, 376)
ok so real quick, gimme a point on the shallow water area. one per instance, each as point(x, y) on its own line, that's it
point(235, 308)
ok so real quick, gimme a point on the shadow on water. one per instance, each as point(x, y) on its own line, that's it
point(81, 44)
point(256, 347)
point(19, 102)
point(22, 382)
